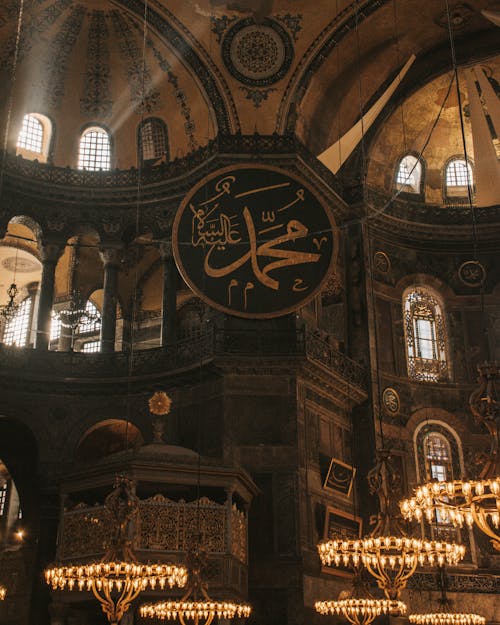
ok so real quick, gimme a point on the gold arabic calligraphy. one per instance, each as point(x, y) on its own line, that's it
point(219, 232)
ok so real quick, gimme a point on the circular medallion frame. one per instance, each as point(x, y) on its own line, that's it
point(391, 401)
point(472, 273)
point(254, 241)
point(257, 55)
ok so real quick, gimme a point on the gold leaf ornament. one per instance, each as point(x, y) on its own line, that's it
point(160, 403)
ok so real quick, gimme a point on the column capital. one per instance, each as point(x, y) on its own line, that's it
point(50, 252)
point(111, 255)
point(166, 250)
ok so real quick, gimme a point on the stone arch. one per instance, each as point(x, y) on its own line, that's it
point(19, 452)
point(107, 437)
point(217, 92)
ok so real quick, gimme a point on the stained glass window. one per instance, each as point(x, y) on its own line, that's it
point(425, 336)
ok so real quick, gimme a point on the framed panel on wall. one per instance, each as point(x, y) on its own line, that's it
point(340, 477)
point(340, 524)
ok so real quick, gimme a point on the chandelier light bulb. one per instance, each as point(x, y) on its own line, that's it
point(360, 611)
point(447, 618)
point(470, 503)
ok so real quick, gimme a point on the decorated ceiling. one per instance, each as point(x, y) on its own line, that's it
point(209, 66)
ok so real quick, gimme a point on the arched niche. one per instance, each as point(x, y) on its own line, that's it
point(108, 437)
point(19, 461)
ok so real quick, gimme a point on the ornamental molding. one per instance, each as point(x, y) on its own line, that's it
point(61, 199)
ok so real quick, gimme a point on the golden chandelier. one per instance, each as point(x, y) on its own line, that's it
point(195, 606)
point(388, 555)
point(358, 606)
point(3, 592)
point(360, 611)
point(117, 579)
point(468, 502)
point(447, 618)
point(446, 615)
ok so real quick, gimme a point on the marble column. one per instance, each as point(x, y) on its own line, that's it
point(169, 296)
point(111, 258)
point(49, 254)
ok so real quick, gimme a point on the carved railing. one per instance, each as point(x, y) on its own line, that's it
point(185, 354)
point(18, 168)
point(162, 525)
point(418, 210)
point(165, 530)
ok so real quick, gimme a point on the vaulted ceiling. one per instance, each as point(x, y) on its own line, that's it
point(209, 66)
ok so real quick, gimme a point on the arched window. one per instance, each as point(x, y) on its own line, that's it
point(17, 329)
point(438, 457)
point(95, 150)
point(34, 137)
point(425, 335)
point(55, 326)
point(458, 177)
point(409, 174)
point(153, 143)
point(92, 322)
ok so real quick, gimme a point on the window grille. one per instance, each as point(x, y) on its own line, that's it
point(458, 173)
point(153, 139)
point(3, 498)
point(92, 324)
point(91, 347)
point(17, 329)
point(31, 135)
point(95, 150)
point(409, 174)
point(425, 337)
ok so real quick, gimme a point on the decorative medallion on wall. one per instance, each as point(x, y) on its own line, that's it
point(472, 273)
point(458, 15)
point(20, 265)
point(257, 55)
point(390, 400)
point(382, 262)
point(254, 241)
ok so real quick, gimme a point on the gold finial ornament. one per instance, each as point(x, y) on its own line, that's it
point(160, 404)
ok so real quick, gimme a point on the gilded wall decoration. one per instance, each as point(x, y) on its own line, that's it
point(30, 34)
point(180, 38)
point(162, 525)
point(257, 96)
point(381, 262)
point(179, 93)
point(97, 102)
point(143, 94)
point(391, 401)
point(219, 25)
point(254, 241)
point(258, 55)
point(292, 22)
point(61, 48)
point(457, 15)
point(472, 273)
point(340, 477)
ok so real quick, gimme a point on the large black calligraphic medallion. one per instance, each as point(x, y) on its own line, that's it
point(253, 241)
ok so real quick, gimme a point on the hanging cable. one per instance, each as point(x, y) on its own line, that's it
point(135, 250)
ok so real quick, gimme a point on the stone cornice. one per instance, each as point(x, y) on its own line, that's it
point(405, 220)
point(59, 200)
point(72, 372)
